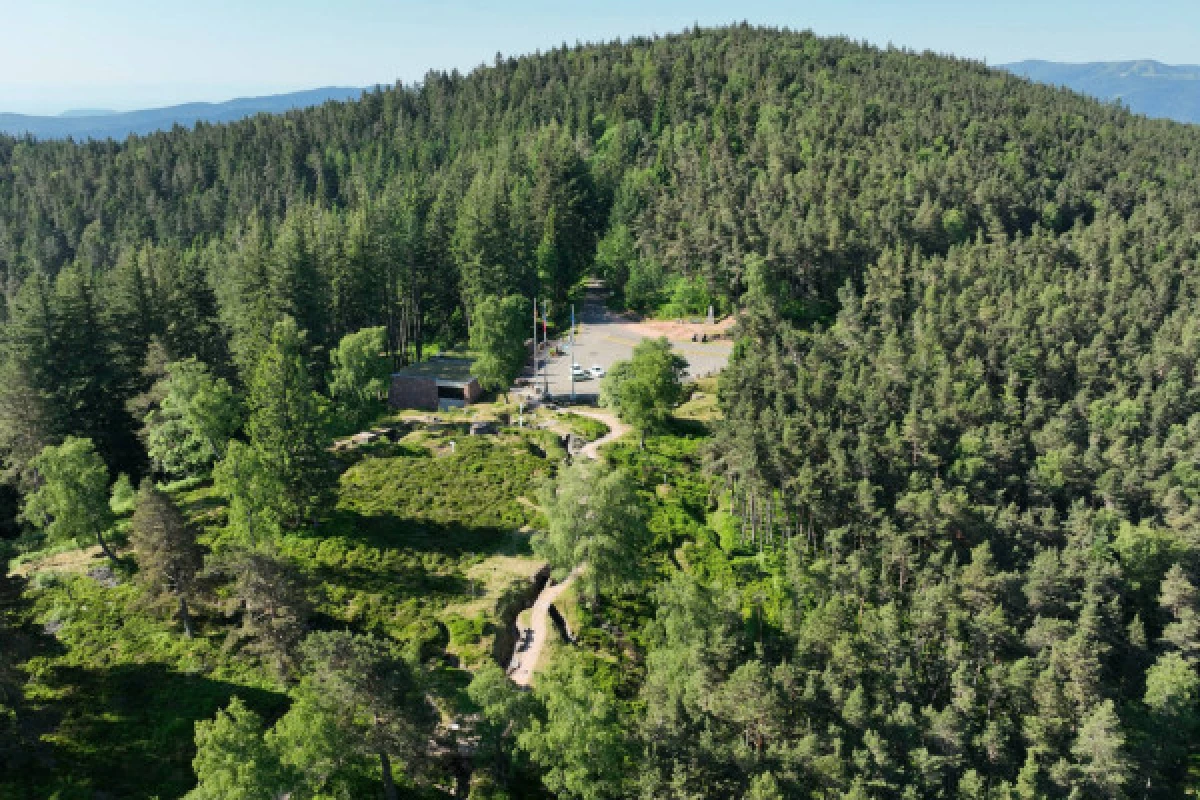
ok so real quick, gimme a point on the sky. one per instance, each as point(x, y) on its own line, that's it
point(128, 54)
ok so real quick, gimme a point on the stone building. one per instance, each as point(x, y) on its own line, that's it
point(435, 384)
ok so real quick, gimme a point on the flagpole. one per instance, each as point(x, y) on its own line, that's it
point(546, 344)
point(535, 348)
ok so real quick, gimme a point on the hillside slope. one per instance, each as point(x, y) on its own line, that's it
point(938, 537)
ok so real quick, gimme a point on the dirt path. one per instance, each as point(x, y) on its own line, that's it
point(616, 429)
point(531, 640)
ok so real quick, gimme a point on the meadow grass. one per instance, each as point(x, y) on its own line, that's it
point(427, 544)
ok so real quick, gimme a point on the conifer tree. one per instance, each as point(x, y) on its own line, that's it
point(168, 556)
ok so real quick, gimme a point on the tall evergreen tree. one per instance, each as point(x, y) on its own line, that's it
point(168, 556)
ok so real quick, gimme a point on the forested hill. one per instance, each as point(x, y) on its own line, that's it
point(961, 429)
point(692, 155)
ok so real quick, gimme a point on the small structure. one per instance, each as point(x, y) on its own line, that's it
point(573, 444)
point(436, 384)
point(391, 433)
point(366, 437)
point(482, 429)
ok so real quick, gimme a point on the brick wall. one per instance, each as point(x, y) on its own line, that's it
point(412, 392)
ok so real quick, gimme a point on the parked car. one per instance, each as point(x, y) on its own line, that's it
point(579, 373)
point(597, 371)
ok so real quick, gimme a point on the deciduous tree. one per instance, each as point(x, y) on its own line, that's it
point(578, 737)
point(198, 415)
point(233, 762)
point(358, 382)
point(594, 520)
point(71, 501)
point(645, 389)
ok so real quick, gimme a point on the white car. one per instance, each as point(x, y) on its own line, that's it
point(579, 373)
point(597, 371)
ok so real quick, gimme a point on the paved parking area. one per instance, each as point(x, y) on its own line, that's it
point(603, 338)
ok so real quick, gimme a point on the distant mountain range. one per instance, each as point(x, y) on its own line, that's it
point(1146, 87)
point(99, 124)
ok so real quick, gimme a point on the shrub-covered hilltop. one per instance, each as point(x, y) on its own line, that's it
point(938, 538)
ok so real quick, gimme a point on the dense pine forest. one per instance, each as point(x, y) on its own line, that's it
point(938, 536)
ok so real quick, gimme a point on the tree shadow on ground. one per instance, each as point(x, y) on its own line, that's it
point(399, 559)
point(689, 428)
point(389, 531)
point(127, 730)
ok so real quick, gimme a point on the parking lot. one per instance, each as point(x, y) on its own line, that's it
point(603, 338)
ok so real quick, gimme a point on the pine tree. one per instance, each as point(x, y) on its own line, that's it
point(168, 556)
point(1179, 597)
point(1100, 751)
point(374, 697)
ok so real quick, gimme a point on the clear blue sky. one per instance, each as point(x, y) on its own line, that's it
point(126, 54)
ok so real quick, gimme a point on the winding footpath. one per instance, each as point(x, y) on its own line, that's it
point(616, 429)
point(530, 641)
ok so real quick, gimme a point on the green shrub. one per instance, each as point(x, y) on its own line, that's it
point(689, 298)
point(584, 427)
point(466, 631)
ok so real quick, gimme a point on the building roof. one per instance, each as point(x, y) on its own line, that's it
point(444, 369)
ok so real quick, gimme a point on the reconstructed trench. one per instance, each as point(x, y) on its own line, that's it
point(530, 641)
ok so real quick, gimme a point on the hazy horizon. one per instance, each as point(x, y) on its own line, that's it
point(63, 55)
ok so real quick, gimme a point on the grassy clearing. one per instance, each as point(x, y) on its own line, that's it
point(702, 406)
point(425, 545)
point(474, 626)
point(585, 428)
point(64, 558)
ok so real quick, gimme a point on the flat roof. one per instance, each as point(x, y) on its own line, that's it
point(444, 369)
